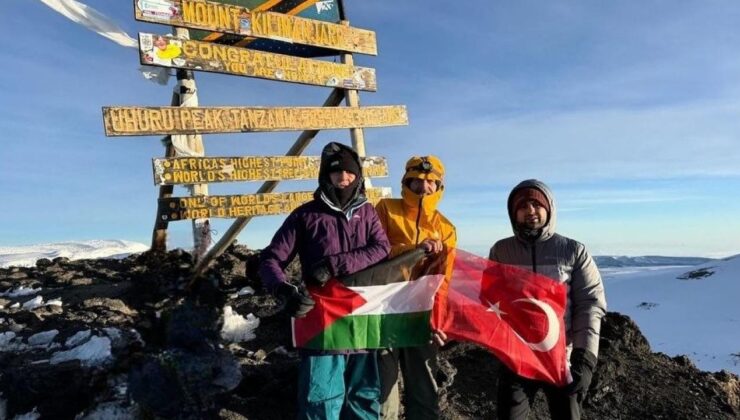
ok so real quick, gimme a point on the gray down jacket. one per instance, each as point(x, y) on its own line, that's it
point(566, 261)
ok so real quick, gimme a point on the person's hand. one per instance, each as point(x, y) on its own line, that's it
point(431, 246)
point(582, 365)
point(320, 273)
point(296, 303)
point(439, 338)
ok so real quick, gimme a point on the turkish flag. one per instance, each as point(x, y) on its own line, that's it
point(515, 313)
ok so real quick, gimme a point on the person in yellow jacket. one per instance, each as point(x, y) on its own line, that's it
point(410, 222)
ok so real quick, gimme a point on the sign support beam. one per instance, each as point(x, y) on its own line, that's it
point(334, 99)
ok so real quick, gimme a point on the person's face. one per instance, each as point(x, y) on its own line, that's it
point(423, 186)
point(531, 214)
point(341, 179)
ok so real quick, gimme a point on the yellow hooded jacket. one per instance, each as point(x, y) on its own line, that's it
point(413, 218)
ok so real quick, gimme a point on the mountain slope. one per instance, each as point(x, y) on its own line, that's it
point(692, 312)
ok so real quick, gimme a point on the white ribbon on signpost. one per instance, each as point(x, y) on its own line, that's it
point(102, 25)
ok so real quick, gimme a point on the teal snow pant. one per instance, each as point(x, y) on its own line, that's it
point(339, 386)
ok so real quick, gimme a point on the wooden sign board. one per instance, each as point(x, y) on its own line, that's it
point(168, 51)
point(201, 170)
point(322, 10)
point(231, 19)
point(233, 206)
point(145, 121)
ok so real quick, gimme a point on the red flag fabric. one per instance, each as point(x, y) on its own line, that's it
point(517, 314)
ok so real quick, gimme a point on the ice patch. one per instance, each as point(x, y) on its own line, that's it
point(237, 328)
point(20, 291)
point(94, 352)
point(78, 338)
point(113, 333)
point(111, 410)
point(54, 302)
point(6, 338)
point(42, 338)
point(10, 343)
point(38, 302)
point(31, 415)
point(245, 291)
point(33, 303)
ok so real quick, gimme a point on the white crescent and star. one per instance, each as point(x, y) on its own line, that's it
point(553, 327)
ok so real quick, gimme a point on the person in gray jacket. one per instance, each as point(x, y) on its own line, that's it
point(535, 246)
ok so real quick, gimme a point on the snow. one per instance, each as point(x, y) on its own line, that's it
point(6, 338)
point(32, 415)
point(78, 338)
point(38, 302)
point(699, 317)
point(95, 351)
point(42, 338)
point(27, 256)
point(242, 292)
point(33, 303)
point(20, 291)
point(237, 328)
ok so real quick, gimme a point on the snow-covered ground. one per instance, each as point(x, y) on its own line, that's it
point(696, 315)
point(26, 256)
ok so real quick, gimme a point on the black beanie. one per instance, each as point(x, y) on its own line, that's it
point(343, 160)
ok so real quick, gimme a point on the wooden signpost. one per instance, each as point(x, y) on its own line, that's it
point(279, 42)
point(168, 51)
point(183, 170)
point(238, 20)
point(247, 205)
point(146, 121)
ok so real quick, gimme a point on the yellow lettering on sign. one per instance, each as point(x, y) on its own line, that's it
point(190, 48)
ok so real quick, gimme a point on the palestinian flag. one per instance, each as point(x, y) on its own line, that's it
point(386, 305)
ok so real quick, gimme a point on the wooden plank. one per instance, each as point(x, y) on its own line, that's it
point(184, 170)
point(146, 121)
point(237, 20)
point(248, 205)
point(168, 51)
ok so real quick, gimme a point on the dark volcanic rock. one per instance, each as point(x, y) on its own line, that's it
point(165, 351)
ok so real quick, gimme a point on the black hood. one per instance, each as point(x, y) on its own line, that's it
point(325, 184)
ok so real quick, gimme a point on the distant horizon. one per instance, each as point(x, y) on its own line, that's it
point(6, 248)
point(628, 111)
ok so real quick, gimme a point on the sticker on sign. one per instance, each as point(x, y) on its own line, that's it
point(159, 8)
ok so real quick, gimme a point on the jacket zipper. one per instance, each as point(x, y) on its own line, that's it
point(418, 217)
point(534, 258)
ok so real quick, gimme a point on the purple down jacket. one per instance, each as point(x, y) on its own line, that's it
point(348, 241)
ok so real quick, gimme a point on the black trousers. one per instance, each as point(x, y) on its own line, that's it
point(516, 394)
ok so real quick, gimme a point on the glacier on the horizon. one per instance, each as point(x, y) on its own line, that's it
point(26, 256)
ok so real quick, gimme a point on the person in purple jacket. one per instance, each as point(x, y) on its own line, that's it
point(335, 234)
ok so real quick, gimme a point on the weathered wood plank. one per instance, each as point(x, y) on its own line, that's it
point(168, 51)
point(233, 206)
point(237, 20)
point(145, 121)
point(184, 170)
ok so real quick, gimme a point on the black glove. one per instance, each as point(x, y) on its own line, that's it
point(582, 364)
point(320, 273)
point(297, 303)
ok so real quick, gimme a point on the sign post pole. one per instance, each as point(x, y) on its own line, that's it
point(159, 235)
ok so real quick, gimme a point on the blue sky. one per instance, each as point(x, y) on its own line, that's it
point(628, 110)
